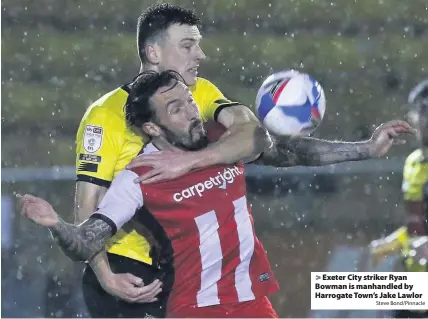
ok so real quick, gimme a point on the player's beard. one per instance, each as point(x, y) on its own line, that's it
point(187, 141)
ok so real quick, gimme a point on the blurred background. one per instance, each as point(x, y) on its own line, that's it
point(59, 56)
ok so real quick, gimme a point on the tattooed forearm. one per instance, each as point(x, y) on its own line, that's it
point(82, 242)
point(303, 151)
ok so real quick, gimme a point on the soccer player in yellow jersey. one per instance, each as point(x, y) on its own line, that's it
point(415, 188)
point(168, 38)
point(415, 177)
point(415, 174)
point(412, 239)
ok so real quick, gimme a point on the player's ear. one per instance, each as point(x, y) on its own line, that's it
point(153, 53)
point(151, 129)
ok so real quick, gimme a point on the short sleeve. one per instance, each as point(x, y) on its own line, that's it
point(121, 201)
point(99, 142)
point(210, 99)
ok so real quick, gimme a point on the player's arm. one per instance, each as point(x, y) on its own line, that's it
point(302, 151)
point(288, 151)
point(235, 144)
point(116, 208)
point(82, 242)
point(98, 145)
point(244, 138)
point(95, 164)
point(87, 198)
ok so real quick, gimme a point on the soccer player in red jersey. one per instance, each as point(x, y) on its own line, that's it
point(202, 220)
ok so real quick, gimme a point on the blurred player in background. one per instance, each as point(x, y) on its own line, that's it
point(167, 38)
point(202, 219)
point(415, 174)
point(411, 240)
point(414, 236)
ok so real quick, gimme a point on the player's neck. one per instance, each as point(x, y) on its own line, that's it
point(148, 67)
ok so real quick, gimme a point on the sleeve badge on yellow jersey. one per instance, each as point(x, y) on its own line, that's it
point(90, 158)
point(93, 138)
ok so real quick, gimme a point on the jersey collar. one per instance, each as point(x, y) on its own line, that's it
point(150, 148)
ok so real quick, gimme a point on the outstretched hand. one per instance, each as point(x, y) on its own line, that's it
point(388, 134)
point(37, 210)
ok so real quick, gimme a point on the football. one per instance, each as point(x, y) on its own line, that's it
point(290, 103)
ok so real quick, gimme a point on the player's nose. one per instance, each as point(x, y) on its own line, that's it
point(192, 112)
point(200, 55)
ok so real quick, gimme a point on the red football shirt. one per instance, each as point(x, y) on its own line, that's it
point(216, 256)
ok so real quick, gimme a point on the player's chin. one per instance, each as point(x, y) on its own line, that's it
point(199, 140)
point(198, 132)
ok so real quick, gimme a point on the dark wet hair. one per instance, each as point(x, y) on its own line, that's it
point(138, 108)
point(155, 21)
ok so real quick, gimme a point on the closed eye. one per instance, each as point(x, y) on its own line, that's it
point(175, 109)
point(187, 47)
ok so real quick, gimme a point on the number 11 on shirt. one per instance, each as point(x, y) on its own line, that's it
point(212, 256)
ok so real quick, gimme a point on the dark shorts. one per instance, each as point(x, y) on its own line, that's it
point(100, 304)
